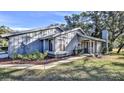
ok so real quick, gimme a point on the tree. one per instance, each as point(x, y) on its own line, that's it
point(90, 22)
point(114, 23)
point(72, 21)
point(96, 21)
point(96, 17)
point(62, 26)
point(3, 30)
point(120, 41)
point(79, 20)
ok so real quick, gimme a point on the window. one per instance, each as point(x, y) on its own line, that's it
point(24, 39)
point(27, 38)
point(40, 34)
point(44, 33)
point(31, 35)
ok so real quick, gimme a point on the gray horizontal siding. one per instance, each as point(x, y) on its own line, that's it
point(27, 43)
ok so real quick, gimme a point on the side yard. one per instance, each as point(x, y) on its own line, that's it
point(109, 67)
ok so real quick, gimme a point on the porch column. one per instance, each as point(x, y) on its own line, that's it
point(93, 46)
point(90, 46)
point(53, 44)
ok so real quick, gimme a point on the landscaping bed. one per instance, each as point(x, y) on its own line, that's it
point(37, 62)
point(36, 58)
point(25, 59)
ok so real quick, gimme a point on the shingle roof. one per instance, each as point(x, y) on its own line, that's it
point(54, 35)
point(92, 38)
point(62, 33)
point(29, 31)
point(82, 35)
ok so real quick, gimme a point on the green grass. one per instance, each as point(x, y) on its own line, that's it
point(79, 70)
point(114, 52)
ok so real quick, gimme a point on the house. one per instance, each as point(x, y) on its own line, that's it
point(54, 40)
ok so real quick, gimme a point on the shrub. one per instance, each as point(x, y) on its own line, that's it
point(30, 57)
point(41, 56)
point(14, 56)
point(4, 43)
point(25, 57)
point(33, 56)
point(45, 54)
point(19, 56)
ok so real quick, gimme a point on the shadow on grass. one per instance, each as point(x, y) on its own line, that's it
point(6, 75)
point(27, 75)
point(121, 53)
point(69, 72)
point(118, 64)
point(120, 57)
point(84, 73)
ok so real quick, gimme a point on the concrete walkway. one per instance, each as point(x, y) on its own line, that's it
point(47, 66)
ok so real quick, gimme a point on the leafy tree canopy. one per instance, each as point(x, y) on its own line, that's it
point(4, 29)
point(93, 22)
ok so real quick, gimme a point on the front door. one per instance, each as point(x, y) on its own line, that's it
point(50, 45)
point(42, 46)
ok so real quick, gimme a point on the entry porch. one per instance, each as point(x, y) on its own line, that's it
point(90, 45)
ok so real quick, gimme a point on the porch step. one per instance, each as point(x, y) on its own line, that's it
point(89, 55)
point(59, 54)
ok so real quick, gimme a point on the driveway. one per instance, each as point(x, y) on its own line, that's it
point(3, 55)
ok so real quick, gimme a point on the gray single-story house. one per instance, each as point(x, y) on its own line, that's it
point(54, 40)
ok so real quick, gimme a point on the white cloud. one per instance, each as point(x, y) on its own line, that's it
point(20, 28)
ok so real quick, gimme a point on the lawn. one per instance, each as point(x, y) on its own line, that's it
point(109, 67)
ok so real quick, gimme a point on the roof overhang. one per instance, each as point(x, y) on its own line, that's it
point(91, 38)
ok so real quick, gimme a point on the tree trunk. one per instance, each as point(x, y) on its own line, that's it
point(120, 48)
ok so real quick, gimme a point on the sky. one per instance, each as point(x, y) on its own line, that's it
point(23, 20)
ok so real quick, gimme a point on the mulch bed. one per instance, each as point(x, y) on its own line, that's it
point(36, 62)
point(10, 61)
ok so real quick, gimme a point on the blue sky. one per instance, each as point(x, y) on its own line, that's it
point(20, 20)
